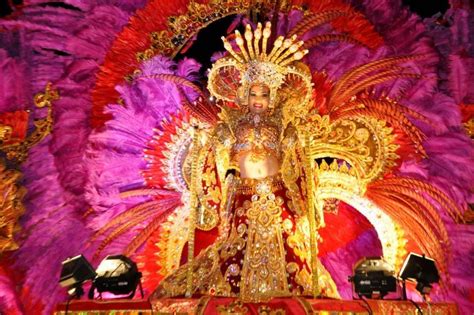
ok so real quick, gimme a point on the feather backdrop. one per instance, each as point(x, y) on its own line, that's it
point(86, 192)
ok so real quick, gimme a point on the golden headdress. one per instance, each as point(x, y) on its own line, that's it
point(231, 77)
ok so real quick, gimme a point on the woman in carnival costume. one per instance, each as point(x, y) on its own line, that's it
point(251, 179)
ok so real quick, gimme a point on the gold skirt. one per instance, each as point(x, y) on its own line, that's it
point(265, 254)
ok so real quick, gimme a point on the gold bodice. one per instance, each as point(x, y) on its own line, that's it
point(256, 150)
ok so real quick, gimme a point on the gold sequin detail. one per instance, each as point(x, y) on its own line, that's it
point(264, 270)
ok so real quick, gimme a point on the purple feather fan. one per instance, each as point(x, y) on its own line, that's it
point(115, 156)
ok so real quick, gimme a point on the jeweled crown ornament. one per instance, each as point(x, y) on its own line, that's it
point(252, 64)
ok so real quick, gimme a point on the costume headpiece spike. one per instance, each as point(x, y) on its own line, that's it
point(288, 48)
point(276, 47)
point(240, 42)
point(229, 48)
point(256, 41)
point(296, 56)
point(266, 35)
point(248, 38)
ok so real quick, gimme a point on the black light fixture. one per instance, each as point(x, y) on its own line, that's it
point(421, 269)
point(373, 278)
point(118, 275)
point(75, 271)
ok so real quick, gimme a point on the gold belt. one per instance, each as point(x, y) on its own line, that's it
point(248, 186)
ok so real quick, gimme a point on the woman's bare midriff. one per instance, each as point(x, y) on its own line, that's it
point(262, 167)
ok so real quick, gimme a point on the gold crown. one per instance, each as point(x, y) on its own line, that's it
point(251, 64)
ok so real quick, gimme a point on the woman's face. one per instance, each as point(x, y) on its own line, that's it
point(259, 98)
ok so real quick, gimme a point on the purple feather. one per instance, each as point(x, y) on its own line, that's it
point(13, 96)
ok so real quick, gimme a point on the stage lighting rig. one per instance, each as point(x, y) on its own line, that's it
point(118, 275)
point(420, 269)
point(75, 271)
point(373, 278)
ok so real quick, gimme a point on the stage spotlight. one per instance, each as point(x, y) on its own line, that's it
point(420, 269)
point(373, 278)
point(118, 275)
point(75, 271)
